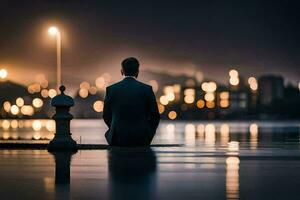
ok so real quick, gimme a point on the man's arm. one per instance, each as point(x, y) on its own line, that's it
point(154, 115)
point(107, 111)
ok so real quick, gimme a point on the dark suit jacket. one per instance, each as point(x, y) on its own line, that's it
point(131, 113)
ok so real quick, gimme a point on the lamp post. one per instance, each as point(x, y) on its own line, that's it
point(54, 31)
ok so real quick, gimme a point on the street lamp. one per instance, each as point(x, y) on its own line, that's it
point(54, 31)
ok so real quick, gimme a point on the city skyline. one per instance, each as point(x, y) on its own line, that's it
point(256, 38)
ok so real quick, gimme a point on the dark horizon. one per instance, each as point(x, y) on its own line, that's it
point(256, 37)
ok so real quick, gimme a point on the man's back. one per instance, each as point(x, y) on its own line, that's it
point(131, 113)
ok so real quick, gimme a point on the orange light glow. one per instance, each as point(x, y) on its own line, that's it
point(161, 108)
point(200, 103)
point(3, 73)
point(172, 115)
point(210, 104)
point(98, 106)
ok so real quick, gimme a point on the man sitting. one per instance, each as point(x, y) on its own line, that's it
point(130, 109)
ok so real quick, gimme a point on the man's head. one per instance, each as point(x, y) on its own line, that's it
point(130, 67)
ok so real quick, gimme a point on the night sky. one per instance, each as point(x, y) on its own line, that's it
point(258, 37)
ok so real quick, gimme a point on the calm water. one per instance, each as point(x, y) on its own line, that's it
point(240, 160)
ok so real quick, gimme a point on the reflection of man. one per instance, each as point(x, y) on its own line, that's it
point(130, 109)
point(132, 173)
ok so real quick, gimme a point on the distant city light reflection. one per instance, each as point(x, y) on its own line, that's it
point(190, 135)
point(232, 178)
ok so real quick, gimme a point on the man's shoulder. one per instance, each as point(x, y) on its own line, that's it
point(143, 84)
point(122, 82)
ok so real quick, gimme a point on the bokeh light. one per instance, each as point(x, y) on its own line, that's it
point(3, 73)
point(172, 115)
point(98, 106)
point(83, 93)
point(37, 102)
point(233, 73)
point(19, 102)
point(27, 110)
point(14, 109)
point(52, 93)
point(163, 100)
point(200, 103)
point(6, 106)
point(161, 108)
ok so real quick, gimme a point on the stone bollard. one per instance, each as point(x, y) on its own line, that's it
point(62, 139)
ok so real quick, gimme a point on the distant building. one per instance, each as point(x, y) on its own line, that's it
point(238, 101)
point(270, 88)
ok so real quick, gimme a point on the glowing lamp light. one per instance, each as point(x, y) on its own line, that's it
point(85, 85)
point(172, 115)
point(98, 106)
point(234, 81)
point(170, 96)
point(251, 80)
point(161, 108)
point(100, 82)
point(189, 99)
point(27, 110)
point(200, 103)
point(3, 73)
point(52, 93)
point(224, 103)
point(44, 93)
point(224, 95)
point(93, 90)
point(53, 30)
point(37, 102)
point(209, 97)
point(14, 109)
point(210, 104)
point(233, 73)
point(189, 92)
point(164, 100)
point(20, 102)
point(253, 83)
point(6, 106)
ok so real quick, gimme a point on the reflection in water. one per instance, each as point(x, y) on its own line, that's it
point(253, 129)
point(224, 134)
point(190, 135)
point(5, 135)
point(132, 173)
point(210, 135)
point(232, 178)
point(170, 131)
point(62, 175)
point(200, 130)
point(233, 146)
point(5, 124)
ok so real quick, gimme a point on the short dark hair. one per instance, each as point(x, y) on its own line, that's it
point(130, 66)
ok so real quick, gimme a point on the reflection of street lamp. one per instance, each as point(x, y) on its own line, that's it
point(54, 31)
